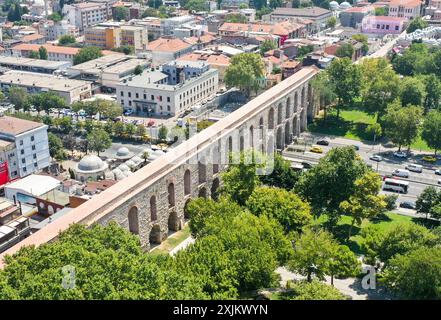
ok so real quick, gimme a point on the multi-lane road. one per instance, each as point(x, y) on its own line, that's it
point(417, 181)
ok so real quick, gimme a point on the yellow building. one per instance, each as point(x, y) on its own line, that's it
point(114, 37)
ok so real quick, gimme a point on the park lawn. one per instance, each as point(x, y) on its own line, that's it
point(352, 125)
point(384, 222)
point(172, 242)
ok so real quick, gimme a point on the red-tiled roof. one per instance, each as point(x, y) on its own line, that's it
point(168, 45)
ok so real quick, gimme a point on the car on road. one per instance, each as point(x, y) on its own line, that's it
point(414, 167)
point(400, 154)
point(316, 149)
point(323, 142)
point(356, 147)
point(403, 173)
point(439, 181)
point(408, 205)
point(429, 159)
point(376, 157)
point(438, 172)
point(128, 112)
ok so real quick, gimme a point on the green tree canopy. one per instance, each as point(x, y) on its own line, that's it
point(267, 45)
point(66, 39)
point(42, 52)
point(284, 206)
point(412, 91)
point(345, 50)
point(314, 290)
point(86, 54)
point(99, 140)
point(331, 181)
point(244, 70)
point(401, 124)
point(417, 23)
point(401, 238)
point(431, 132)
point(121, 13)
point(19, 98)
point(416, 274)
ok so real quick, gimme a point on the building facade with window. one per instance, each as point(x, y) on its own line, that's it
point(383, 25)
point(86, 14)
point(177, 87)
point(25, 146)
point(409, 9)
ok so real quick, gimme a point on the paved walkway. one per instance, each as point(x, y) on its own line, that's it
point(350, 286)
point(182, 245)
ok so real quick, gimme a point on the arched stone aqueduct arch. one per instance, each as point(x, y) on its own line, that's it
point(151, 203)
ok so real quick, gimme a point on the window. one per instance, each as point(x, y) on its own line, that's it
point(35, 165)
point(396, 28)
point(122, 93)
point(130, 94)
point(34, 156)
point(168, 99)
point(32, 138)
point(24, 169)
point(21, 142)
point(33, 147)
point(153, 97)
point(23, 160)
point(137, 95)
point(145, 96)
point(21, 151)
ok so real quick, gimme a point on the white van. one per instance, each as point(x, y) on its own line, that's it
point(414, 167)
point(403, 173)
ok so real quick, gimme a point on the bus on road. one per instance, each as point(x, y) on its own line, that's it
point(396, 185)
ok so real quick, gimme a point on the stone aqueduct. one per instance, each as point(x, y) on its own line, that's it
point(152, 202)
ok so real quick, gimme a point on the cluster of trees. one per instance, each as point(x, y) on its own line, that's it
point(409, 258)
point(126, 49)
point(40, 54)
point(121, 13)
point(86, 54)
point(66, 40)
point(244, 71)
point(429, 203)
point(43, 101)
point(404, 108)
point(15, 11)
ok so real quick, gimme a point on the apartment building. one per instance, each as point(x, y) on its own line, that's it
point(409, 9)
point(109, 37)
point(70, 90)
point(85, 14)
point(24, 146)
point(166, 49)
point(318, 15)
point(53, 31)
point(177, 87)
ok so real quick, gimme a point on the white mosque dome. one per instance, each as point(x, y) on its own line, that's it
point(334, 5)
point(91, 163)
point(124, 167)
point(345, 5)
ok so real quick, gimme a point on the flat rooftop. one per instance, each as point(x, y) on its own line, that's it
point(30, 79)
point(14, 126)
point(142, 80)
point(36, 63)
point(35, 184)
point(112, 63)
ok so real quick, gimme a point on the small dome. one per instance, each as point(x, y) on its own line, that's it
point(124, 167)
point(137, 160)
point(130, 164)
point(345, 5)
point(334, 5)
point(123, 151)
point(91, 163)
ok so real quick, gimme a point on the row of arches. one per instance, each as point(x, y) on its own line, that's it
point(284, 135)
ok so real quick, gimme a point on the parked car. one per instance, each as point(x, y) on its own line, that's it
point(403, 173)
point(356, 147)
point(408, 205)
point(323, 142)
point(316, 149)
point(400, 154)
point(438, 172)
point(429, 159)
point(439, 181)
point(376, 158)
point(128, 112)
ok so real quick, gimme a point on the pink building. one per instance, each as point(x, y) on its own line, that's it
point(383, 25)
point(409, 9)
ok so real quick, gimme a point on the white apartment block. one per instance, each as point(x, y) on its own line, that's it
point(53, 31)
point(24, 145)
point(83, 15)
point(154, 92)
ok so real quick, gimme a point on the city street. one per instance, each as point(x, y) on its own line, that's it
point(417, 181)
